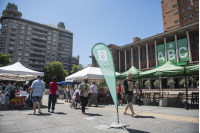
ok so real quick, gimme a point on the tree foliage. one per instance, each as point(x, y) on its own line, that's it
point(147, 83)
point(54, 69)
point(157, 83)
point(76, 68)
point(137, 83)
point(182, 82)
point(4, 61)
point(170, 83)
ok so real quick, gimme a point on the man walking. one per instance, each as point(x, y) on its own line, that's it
point(37, 89)
point(128, 85)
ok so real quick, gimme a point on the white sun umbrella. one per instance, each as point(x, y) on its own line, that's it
point(92, 73)
point(18, 72)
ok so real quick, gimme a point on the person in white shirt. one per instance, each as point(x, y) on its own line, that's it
point(72, 90)
point(73, 98)
point(94, 94)
point(57, 93)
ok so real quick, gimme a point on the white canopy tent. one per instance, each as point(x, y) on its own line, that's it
point(18, 72)
point(92, 73)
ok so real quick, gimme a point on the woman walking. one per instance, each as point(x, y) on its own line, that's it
point(52, 94)
point(84, 94)
point(119, 94)
point(72, 90)
point(94, 94)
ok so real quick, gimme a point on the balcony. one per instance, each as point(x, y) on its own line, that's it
point(11, 49)
point(36, 63)
point(11, 54)
point(13, 33)
point(38, 48)
point(12, 38)
point(39, 28)
point(34, 42)
point(37, 53)
point(39, 69)
point(43, 34)
point(36, 58)
point(39, 38)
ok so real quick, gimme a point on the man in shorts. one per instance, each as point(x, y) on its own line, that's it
point(128, 85)
point(37, 89)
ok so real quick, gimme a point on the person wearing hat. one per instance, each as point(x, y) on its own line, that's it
point(37, 89)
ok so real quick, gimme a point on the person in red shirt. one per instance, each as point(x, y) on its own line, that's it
point(119, 94)
point(53, 86)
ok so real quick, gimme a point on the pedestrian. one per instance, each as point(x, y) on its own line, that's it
point(84, 94)
point(119, 92)
point(25, 86)
point(53, 86)
point(68, 94)
point(72, 90)
point(37, 89)
point(7, 86)
point(20, 88)
point(57, 93)
point(128, 85)
point(94, 94)
point(10, 87)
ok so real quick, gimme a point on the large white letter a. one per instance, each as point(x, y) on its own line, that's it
point(160, 56)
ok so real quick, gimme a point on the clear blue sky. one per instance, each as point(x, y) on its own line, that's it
point(93, 21)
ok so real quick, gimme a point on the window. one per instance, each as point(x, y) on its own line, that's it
point(189, 7)
point(182, 2)
point(187, 0)
point(184, 17)
point(22, 28)
point(19, 59)
point(145, 54)
point(47, 58)
point(26, 49)
point(25, 60)
point(20, 49)
point(196, 41)
point(19, 54)
point(197, 13)
point(47, 53)
point(149, 52)
point(141, 54)
point(52, 59)
point(127, 57)
point(22, 33)
point(190, 15)
point(153, 50)
point(196, 4)
point(176, 21)
point(29, 28)
point(53, 55)
point(49, 44)
point(183, 10)
point(27, 44)
point(175, 13)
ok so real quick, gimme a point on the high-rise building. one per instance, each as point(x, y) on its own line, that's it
point(34, 44)
point(178, 13)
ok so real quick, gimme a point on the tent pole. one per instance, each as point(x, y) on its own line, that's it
point(186, 102)
point(139, 100)
point(162, 87)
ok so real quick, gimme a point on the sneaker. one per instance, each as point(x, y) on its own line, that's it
point(39, 111)
point(52, 111)
point(34, 112)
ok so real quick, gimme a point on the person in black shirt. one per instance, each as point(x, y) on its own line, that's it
point(128, 85)
point(25, 87)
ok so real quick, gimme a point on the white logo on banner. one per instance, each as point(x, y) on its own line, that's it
point(170, 45)
point(103, 57)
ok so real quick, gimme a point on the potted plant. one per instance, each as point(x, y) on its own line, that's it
point(192, 79)
point(147, 100)
point(182, 82)
point(170, 83)
point(197, 83)
point(157, 84)
point(147, 84)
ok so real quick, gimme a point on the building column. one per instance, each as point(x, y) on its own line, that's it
point(189, 49)
point(125, 58)
point(156, 54)
point(176, 43)
point(131, 56)
point(139, 57)
point(119, 63)
point(165, 49)
point(147, 55)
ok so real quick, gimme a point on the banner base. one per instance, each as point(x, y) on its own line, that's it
point(116, 125)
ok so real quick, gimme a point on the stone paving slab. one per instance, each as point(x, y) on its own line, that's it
point(98, 119)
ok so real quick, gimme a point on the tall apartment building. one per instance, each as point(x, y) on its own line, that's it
point(34, 44)
point(178, 13)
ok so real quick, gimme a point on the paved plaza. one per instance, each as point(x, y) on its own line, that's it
point(153, 119)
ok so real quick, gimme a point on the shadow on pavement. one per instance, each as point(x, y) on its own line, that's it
point(136, 131)
point(96, 107)
point(60, 113)
point(42, 114)
point(90, 114)
point(139, 116)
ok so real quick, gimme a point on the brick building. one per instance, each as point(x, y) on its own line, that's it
point(143, 53)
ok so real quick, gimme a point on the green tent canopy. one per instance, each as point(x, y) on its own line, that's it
point(132, 70)
point(192, 69)
point(168, 69)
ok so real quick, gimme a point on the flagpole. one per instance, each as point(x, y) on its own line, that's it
point(117, 117)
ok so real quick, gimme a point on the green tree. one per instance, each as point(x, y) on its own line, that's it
point(157, 83)
point(76, 68)
point(182, 82)
point(170, 83)
point(147, 84)
point(137, 83)
point(4, 61)
point(54, 69)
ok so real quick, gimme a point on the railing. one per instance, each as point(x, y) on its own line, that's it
point(39, 33)
point(34, 42)
point(41, 38)
point(36, 68)
point(36, 63)
point(36, 58)
point(37, 53)
point(39, 28)
point(38, 48)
